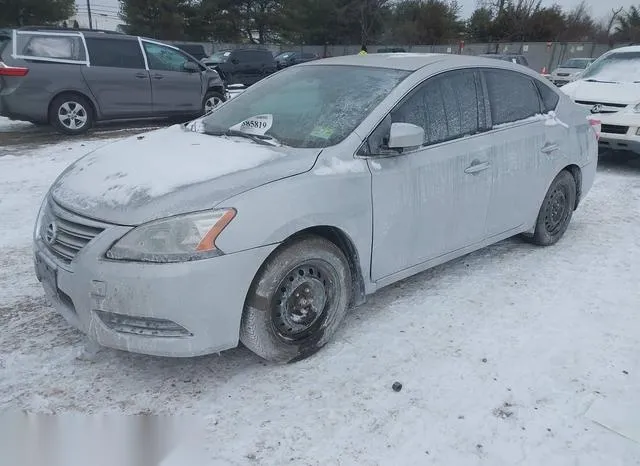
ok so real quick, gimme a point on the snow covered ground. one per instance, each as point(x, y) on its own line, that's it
point(500, 353)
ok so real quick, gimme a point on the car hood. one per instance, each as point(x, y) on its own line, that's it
point(169, 172)
point(617, 93)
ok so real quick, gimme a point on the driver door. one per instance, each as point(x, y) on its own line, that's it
point(174, 89)
point(432, 200)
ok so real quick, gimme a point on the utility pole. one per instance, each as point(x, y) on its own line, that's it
point(89, 13)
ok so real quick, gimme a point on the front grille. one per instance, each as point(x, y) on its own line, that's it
point(615, 129)
point(604, 104)
point(65, 233)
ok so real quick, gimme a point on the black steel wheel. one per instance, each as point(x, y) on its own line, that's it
point(556, 210)
point(297, 300)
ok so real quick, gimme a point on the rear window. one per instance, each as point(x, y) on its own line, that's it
point(4, 41)
point(549, 97)
point(65, 47)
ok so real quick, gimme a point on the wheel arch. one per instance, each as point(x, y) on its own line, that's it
point(340, 239)
point(576, 172)
point(92, 103)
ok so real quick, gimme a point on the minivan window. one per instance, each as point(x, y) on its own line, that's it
point(54, 46)
point(309, 106)
point(115, 53)
point(220, 57)
point(163, 58)
point(513, 96)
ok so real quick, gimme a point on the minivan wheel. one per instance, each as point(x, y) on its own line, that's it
point(297, 301)
point(556, 211)
point(71, 114)
point(211, 101)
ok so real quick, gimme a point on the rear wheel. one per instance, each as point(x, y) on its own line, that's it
point(556, 210)
point(71, 114)
point(297, 301)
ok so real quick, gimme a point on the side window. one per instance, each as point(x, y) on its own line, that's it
point(115, 53)
point(513, 96)
point(54, 46)
point(550, 98)
point(162, 58)
point(460, 94)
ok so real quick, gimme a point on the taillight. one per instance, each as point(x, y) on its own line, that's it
point(14, 71)
point(596, 125)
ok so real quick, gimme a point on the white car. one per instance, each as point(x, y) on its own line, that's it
point(570, 70)
point(610, 90)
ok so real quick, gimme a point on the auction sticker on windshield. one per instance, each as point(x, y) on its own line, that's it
point(258, 124)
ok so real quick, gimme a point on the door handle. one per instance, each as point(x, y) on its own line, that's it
point(477, 167)
point(142, 75)
point(549, 148)
point(158, 76)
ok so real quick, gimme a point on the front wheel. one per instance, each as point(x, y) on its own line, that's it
point(297, 301)
point(556, 210)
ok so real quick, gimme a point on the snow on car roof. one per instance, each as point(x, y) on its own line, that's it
point(401, 61)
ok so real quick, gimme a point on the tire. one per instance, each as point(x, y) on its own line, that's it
point(279, 322)
point(556, 210)
point(208, 103)
point(80, 109)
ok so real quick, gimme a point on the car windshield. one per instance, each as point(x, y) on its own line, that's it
point(616, 67)
point(220, 57)
point(284, 55)
point(306, 107)
point(577, 63)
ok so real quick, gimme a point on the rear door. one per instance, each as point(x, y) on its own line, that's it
point(175, 89)
point(118, 78)
point(519, 134)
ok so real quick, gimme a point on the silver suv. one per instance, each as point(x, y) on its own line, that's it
point(72, 79)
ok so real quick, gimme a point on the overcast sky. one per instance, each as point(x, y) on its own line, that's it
point(105, 11)
point(599, 8)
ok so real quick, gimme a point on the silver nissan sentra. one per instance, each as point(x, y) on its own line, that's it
point(264, 221)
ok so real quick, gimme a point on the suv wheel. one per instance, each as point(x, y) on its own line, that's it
point(211, 101)
point(71, 114)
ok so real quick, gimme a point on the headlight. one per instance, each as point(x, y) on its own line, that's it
point(174, 239)
point(637, 108)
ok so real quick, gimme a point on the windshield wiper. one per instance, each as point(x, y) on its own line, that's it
point(259, 139)
point(598, 81)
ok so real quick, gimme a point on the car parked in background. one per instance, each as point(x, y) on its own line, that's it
point(609, 89)
point(72, 79)
point(195, 50)
point(286, 59)
point(569, 70)
point(264, 221)
point(242, 66)
point(510, 57)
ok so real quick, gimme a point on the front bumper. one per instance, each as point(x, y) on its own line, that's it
point(620, 131)
point(141, 307)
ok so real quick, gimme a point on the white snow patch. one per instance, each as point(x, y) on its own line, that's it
point(7, 125)
point(499, 378)
point(338, 166)
point(155, 164)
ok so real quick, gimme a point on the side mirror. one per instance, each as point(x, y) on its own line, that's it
point(405, 136)
point(235, 61)
point(191, 67)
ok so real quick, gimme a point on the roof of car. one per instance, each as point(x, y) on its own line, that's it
point(400, 61)
point(631, 48)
